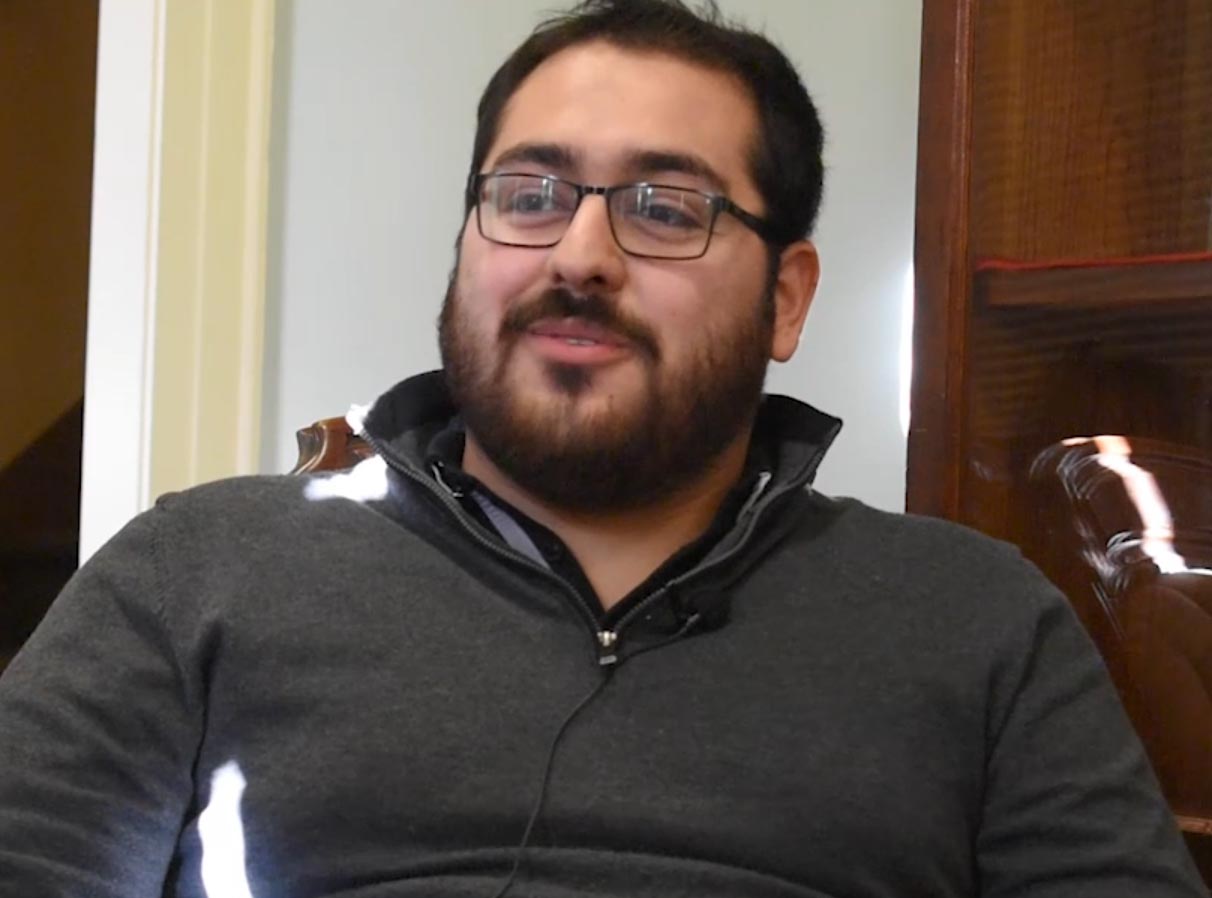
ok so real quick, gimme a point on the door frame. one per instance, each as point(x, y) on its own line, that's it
point(177, 259)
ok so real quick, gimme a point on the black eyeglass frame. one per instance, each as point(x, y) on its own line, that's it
point(718, 203)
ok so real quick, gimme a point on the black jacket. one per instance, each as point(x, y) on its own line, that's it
point(343, 685)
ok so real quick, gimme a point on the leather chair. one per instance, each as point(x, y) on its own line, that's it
point(1126, 530)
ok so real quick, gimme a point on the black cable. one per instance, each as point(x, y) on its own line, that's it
point(690, 624)
point(538, 805)
point(555, 744)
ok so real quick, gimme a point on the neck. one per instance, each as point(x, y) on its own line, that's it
point(619, 550)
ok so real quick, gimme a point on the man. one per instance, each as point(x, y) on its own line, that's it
point(582, 627)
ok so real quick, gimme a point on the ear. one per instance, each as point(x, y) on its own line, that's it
point(799, 272)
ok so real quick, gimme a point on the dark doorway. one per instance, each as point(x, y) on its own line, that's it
point(48, 62)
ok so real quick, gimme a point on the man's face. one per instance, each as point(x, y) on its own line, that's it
point(594, 379)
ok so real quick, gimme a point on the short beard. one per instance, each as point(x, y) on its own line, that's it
point(657, 445)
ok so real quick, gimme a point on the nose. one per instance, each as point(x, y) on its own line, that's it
point(588, 258)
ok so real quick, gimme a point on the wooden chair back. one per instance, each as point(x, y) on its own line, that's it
point(1141, 512)
point(329, 445)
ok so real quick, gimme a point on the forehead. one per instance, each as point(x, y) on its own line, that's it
point(608, 103)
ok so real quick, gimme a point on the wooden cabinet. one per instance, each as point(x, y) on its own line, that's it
point(1062, 395)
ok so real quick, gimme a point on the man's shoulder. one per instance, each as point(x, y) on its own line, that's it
point(263, 507)
point(251, 489)
point(915, 559)
point(269, 493)
point(852, 522)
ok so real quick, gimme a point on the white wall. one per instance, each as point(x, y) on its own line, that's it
point(373, 122)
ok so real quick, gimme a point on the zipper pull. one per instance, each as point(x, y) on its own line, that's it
point(759, 488)
point(438, 470)
point(608, 641)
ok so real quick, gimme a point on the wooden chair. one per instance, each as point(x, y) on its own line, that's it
point(329, 445)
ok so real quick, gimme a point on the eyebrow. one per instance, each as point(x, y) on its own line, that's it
point(644, 163)
point(551, 155)
point(562, 158)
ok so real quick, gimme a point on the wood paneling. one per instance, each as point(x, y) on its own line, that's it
point(1051, 372)
point(941, 261)
point(1093, 136)
point(1064, 289)
point(1157, 279)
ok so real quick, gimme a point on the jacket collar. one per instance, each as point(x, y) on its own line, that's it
point(792, 435)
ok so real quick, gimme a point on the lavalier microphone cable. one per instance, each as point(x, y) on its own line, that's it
point(691, 622)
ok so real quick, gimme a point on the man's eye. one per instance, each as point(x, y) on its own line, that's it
point(671, 216)
point(527, 202)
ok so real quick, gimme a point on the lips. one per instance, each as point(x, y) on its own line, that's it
point(577, 332)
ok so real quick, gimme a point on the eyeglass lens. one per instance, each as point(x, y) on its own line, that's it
point(647, 220)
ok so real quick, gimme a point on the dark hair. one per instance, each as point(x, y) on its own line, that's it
point(785, 161)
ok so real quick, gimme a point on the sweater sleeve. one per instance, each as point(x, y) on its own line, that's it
point(97, 735)
point(1072, 808)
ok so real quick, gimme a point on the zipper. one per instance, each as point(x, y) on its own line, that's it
point(608, 655)
point(605, 641)
point(749, 526)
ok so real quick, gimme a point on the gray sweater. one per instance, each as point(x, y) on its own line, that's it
point(344, 686)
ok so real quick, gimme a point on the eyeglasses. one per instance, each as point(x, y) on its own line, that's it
point(654, 221)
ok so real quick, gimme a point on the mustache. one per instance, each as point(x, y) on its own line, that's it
point(561, 303)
